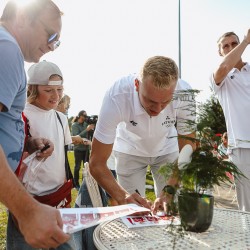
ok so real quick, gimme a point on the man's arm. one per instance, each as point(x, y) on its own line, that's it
point(184, 141)
point(230, 60)
point(98, 167)
point(174, 179)
point(41, 225)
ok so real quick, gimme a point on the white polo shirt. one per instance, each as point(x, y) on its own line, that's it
point(234, 96)
point(138, 133)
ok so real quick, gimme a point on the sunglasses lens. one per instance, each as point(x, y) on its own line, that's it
point(52, 38)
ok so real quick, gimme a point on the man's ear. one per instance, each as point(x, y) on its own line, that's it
point(136, 84)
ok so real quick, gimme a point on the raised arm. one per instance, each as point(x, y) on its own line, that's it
point(231, 50)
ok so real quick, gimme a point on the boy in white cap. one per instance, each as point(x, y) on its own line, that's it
point(45, 177)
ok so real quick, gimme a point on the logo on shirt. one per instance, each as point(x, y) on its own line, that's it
point(133, 123)
point(169, 122)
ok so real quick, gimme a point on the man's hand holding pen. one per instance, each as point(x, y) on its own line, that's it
point(141, 201)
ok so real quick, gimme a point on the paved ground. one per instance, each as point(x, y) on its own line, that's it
point(225, 197)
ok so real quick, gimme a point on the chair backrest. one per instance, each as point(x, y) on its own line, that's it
point(92, 187)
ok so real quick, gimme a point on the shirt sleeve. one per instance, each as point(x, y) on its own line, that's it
point(9, 73)
point(108, 119)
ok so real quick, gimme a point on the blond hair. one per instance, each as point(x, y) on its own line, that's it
point(64, 100)
point(32, 93)
point(162, 71)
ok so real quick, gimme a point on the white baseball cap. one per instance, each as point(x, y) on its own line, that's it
point(39, 73)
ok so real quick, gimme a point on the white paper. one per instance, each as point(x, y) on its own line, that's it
point(76, 219)
point(31, 157)
point(148, 220)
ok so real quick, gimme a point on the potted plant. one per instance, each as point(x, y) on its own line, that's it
point(197, 174)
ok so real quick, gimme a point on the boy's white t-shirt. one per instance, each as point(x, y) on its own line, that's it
point(49, 175)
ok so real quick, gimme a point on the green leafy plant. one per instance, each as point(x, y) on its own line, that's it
point(206, 168)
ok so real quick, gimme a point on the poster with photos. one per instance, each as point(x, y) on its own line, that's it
point(76, 219)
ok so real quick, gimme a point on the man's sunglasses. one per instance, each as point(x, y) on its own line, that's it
point(53, 40)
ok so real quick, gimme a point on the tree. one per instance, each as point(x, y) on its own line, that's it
point(210, 114)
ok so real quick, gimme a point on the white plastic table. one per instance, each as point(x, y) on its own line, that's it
point(230, 229)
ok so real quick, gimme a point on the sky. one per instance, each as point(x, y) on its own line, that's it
point(103, 40)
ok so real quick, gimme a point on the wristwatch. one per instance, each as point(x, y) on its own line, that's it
point(169, 189)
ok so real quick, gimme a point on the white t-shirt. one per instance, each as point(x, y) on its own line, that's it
point(49, 174)
point(111, 162)
point(234, 96)
point(137, 133)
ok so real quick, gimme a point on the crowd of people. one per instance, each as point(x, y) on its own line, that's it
point(141, 123)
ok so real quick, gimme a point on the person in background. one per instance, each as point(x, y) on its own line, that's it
point(63, 107)
point(137, 120)
point(46, 176)
point(81, 152)
point(222, 149)
point(24, 36)
point(231, 82)
point(64, 104)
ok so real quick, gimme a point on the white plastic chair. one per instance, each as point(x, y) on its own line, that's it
point(92, 186)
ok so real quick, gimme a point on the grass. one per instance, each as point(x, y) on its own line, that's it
point(3, 211)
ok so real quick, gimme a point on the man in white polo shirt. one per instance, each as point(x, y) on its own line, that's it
point(231, 84)
point(145, 111)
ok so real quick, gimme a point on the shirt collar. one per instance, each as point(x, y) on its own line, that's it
point(246, 67)
point(139, 110)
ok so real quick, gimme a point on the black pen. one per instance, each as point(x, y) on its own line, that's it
point(137, 191)
point(45, 147)
point(33, 155)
